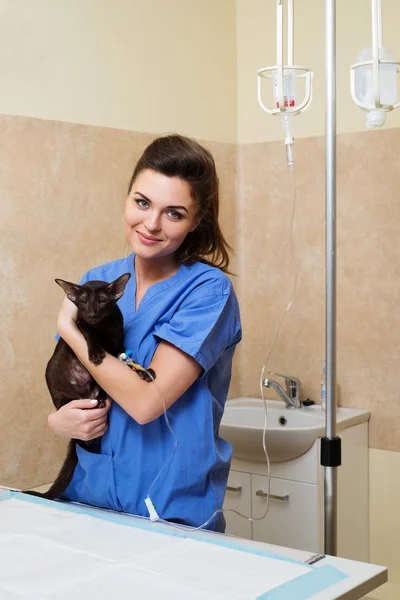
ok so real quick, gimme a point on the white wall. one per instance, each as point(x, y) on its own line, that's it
point(256, 48)
point(153, 66)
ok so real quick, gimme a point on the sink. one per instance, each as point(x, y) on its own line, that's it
point(289, 433)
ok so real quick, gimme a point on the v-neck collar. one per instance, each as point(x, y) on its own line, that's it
point(153, 289)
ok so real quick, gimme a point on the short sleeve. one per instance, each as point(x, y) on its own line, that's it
point(204, 327)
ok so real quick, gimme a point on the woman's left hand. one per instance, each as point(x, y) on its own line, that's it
point(67, 316)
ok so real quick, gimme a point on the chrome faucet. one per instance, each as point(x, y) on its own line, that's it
point(291, 396)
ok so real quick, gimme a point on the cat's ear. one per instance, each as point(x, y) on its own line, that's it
point(117, 287)
point(72, 290)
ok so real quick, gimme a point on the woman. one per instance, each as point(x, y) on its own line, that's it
point(181, 318)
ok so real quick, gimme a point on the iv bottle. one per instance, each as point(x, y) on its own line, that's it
point(364, 86)
point(289, 88)
point(322, 394)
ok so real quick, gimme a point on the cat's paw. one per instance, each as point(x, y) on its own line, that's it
point(97, 357)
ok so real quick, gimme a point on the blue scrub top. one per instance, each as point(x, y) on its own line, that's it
point(197, 311)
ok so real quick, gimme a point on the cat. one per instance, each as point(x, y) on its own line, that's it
point(101, 322)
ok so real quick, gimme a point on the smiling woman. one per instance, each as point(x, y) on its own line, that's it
point(181, 319)
point(159, 214)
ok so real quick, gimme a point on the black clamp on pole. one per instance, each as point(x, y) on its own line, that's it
point(331, 452)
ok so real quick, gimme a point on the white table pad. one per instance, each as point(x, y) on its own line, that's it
point(63, 551)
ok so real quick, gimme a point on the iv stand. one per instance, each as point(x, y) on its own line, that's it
point(330, 444)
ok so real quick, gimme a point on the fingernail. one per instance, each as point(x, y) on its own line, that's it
point(93, 402)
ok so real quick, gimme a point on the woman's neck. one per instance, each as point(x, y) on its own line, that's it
point(149, 271)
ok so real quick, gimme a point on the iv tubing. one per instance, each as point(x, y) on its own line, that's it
point(175, 445)
point(185, 527)
point(153, 515)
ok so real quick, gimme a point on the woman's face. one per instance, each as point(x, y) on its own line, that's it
point(159, 213)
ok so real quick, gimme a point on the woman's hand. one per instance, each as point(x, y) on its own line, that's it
point(73, 420)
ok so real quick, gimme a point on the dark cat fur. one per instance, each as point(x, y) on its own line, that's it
point(100, 321)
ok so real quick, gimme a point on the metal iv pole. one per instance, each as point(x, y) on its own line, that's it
point(330, 444)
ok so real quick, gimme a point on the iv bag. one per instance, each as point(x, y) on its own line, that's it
point(364, 86)
point(289, 88)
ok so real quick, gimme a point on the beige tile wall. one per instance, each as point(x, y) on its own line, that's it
point(63, 189)
point(62, 198)
point(368, 273)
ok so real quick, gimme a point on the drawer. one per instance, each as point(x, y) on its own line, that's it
point(293, 517)
point(238, 497)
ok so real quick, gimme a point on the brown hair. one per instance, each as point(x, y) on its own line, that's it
point(179, 156)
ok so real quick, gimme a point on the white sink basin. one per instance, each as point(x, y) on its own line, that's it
point(289, 433)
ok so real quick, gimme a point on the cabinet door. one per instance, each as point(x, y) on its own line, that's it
point(293, 518)
point(238, 497)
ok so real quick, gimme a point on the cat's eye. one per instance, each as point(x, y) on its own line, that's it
point(83, 301)
point(102, 300)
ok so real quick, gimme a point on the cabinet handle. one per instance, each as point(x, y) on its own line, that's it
point(263, 494)
point(237, 489)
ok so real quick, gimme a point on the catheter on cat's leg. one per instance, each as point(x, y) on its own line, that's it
point(145, 374)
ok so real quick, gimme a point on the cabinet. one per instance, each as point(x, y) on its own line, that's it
point(296, 508)
point(238, 498)
point(293, 512)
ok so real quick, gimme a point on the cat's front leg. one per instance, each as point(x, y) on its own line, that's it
point(96, 352)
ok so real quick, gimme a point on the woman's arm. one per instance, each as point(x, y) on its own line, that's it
point(175, 373)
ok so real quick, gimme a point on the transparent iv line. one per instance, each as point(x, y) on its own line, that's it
point(168, 461)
